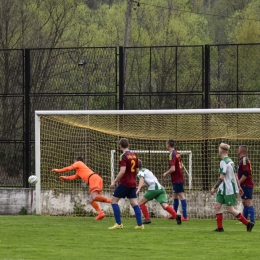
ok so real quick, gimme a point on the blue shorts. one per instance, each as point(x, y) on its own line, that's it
point(125, 192)
point(248, 193)
point(177, 187)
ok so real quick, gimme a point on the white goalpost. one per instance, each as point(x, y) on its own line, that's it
point(61, 136)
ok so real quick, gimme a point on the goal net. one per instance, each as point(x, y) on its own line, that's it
point(61, 136)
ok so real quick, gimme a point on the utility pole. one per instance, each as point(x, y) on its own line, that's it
point(128, 15)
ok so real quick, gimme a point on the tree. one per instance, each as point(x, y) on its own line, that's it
point(166, 69)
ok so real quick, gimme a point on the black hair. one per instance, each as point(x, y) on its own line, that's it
point(79, 158)
point(124, 143)
point(170, 142)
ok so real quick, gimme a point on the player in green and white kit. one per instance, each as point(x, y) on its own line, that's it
point(155, 191)
point(228, 186)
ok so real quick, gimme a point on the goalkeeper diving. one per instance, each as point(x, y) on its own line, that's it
point(155, 191)
point(92, 178)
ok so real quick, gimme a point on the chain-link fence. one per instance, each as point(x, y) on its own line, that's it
point(166, 77)
point(234, 76)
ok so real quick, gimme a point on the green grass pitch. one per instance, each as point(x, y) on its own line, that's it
point(44, 237)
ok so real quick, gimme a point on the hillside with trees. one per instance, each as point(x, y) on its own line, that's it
point(78, 23)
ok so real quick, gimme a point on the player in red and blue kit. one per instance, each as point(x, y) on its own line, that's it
point(126, 188)
point(246, 182)
point(177, 179)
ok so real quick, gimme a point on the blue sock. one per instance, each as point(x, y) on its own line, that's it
point(251, 213)
point(138, 215)
point(184, 208)
point(176, 204)
point(245, 212)
point(116, 210)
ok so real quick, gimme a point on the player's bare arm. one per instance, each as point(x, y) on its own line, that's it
point(140, 185)
point(241, 192)
point(244, 177)
point(219, 181)
point(170, 171)
point(118, 177)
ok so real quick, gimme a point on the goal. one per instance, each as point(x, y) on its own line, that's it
point(61, 136)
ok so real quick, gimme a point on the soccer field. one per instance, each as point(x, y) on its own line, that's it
point(43, 237)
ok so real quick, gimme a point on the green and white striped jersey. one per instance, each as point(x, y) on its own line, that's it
point(229, 185)
point(149, 179)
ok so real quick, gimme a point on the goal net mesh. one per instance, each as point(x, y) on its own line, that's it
point(64, 137)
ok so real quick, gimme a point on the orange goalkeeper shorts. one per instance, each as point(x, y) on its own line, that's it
point(95, 183)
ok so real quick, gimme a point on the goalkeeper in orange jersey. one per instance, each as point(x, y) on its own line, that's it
point(92, 178)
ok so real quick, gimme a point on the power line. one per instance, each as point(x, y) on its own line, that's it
point(193, 12)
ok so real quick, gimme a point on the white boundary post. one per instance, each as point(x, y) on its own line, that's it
point(38, 164)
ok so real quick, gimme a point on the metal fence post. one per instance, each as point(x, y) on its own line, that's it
point(121, 77)
point(207, 77)
point(27, 136)
point(205, 121)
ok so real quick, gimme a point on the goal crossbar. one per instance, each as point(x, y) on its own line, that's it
point(149, 112)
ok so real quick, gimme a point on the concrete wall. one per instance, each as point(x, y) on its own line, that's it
point(200, 204)
point(13, 199)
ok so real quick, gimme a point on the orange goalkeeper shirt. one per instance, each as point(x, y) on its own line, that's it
point(82, 171)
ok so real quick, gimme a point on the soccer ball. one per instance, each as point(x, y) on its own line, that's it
point(32, 179)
